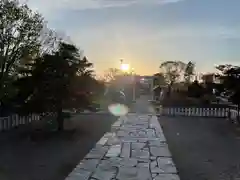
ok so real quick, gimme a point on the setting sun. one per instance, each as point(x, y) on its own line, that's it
point(125, 67)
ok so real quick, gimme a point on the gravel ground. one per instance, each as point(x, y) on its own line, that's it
point(202, 148)
point(54, 157)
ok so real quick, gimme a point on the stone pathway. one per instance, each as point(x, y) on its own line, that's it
point(135, 149)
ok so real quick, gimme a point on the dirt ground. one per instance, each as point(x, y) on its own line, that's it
point(52, 157)
point(203, 148)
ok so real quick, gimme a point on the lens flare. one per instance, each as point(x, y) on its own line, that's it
point(118, 109)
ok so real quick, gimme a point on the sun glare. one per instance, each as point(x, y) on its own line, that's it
point(125, 67)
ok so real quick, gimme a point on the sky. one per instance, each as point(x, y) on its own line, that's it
point(144, 33)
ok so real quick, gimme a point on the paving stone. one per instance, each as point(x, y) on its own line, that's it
point(139, 139)
point(157, 143)
point(143, 117)
point(114, 151)
point(118, 162)
point(156, 139)
point(122, 134)
point(130, 140)
point(97, 153)
point(104, 174)
point(126, 150)
point(88, 164)
point(143, 165)
point(153, 158)
point(142, 140)
point(151, 133)
point(167, 177)
point(139, 146)
point(128, 129)
point(153, 164)
point(160, 151)
point(154, 123)
point(113, 141)
point(115, 160)
point(102, 141)
point(166, 164)
point(117, 123)
point(109, 164)
point(130, 162)
point(161, 136)
point(140, 154)
point(154, 175)
point(110, 134)
point(79, 175)
point(144, 174)
point(127, 173)
point(157, 170)
point(142, 133)
point(143, 160)
point(145, 149)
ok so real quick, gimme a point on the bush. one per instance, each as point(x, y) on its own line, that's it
point(206, 99)
point(196, 90)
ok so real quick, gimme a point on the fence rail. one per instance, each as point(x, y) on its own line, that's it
point(230, 113)
point(10, 122)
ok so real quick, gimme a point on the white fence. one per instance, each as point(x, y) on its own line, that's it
point(230, 114)
point(7, 123)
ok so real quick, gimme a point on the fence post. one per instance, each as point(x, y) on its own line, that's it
point(229, 114)
point(15, 121)
point(204, 112)
point(212, 112)
point(160, 110)
point(1, 124)
point(8, 122)
point(226, 113)
point(11, 122)
point(238, 121)
point(222, 114)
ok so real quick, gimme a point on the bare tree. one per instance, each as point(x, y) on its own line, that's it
point(20, 29)
point(172, 71)
point(111, 74)
point(24, 36)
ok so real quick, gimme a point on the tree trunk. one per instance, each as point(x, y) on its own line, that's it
point(169, 90)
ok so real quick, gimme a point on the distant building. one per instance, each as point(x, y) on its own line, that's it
point(210, 78)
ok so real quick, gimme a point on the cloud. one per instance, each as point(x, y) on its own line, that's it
point(48, 7)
